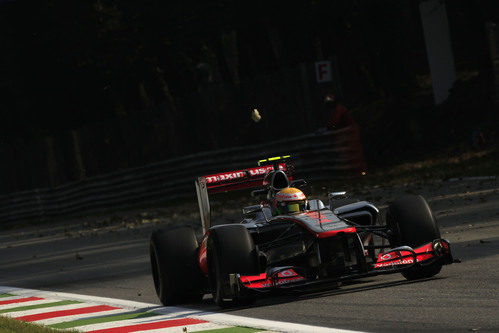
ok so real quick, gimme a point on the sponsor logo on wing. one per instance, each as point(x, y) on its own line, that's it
point(220, 177)
point(263, 170)
point(394, 263)
point(282, 281)
point(224, 176)
point(386, 256)
point(259, 171)
point(284, 277)
point(287, 273)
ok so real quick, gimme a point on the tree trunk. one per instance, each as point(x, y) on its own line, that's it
point(171, 113)
point(80, 169)
point(51, 161)
point(229, 43)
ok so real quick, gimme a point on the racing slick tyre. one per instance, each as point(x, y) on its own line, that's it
point(412, 223)
point(176, 274)
point(230, 250)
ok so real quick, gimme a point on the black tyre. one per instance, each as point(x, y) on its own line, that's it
point(176, 274)
point(412, 223)
point(230, 250)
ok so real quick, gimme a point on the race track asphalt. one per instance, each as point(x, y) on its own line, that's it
point(108, 256)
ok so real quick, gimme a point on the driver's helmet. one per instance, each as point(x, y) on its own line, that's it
point(289, 200)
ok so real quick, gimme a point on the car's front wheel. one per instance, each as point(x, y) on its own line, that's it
point(230, 250)
point(412, 223)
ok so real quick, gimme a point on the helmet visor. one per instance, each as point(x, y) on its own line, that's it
point(294, 207)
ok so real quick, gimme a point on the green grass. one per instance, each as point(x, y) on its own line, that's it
point(9, 325)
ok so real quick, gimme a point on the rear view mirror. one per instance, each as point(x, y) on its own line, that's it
point(316, 204)
point(333, 196)
point(337, 195)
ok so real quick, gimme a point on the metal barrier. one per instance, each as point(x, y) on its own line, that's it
point(315, 156)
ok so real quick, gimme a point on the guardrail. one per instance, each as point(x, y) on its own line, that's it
point(315, 156)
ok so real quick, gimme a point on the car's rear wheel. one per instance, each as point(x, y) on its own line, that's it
point(176, 274)
point(412, 223)
point(230, 250)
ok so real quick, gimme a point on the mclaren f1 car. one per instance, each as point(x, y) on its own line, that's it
point(323, 243)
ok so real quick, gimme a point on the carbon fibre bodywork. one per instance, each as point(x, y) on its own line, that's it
point(320, 247)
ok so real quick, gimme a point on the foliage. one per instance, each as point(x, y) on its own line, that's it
point(140, 81)
point(70, 64)
point(9, 325)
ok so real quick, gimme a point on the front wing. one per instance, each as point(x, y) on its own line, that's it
point(393, 261)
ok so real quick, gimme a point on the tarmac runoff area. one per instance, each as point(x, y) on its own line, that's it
point(107, 256)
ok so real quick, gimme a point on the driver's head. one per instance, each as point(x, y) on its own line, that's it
point(289, 200)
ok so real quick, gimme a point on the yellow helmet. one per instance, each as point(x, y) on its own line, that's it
point(289, 200)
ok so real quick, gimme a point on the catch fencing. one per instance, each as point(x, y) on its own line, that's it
point(315, 156)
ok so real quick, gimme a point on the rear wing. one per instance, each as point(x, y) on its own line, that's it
point(236, 180)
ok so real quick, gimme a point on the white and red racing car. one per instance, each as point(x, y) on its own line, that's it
point(264, 252)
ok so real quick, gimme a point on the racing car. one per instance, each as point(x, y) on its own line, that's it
point(311, 243)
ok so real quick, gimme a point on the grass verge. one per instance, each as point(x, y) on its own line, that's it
point(439, 167)
point(10, 325)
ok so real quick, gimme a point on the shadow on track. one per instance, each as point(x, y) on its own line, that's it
point(287, 296)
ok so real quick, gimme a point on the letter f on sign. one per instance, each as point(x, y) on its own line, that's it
point(323, 71)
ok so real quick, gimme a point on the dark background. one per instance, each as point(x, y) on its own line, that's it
point(90, 87)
